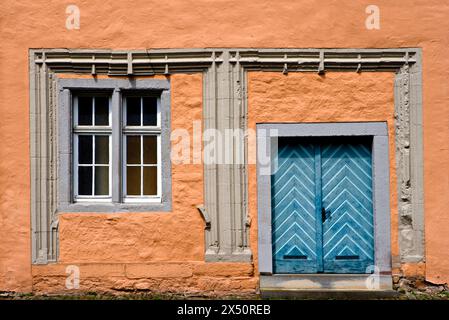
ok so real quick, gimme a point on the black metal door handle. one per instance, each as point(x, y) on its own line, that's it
point(325, 214)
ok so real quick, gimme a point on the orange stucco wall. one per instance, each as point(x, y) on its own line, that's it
point(141, 24)
point(154, 236)
point(164, 251)
point(335, 97)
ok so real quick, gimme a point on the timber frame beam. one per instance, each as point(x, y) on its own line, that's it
point(224, 107)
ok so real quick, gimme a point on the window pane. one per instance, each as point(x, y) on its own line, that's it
point(150, 181)
point(150, 111)
point(133, 181)
point(102, 111)
point(149, 149)
point(84, 111)
point(133, 149)
point(101, 181)
point(85, 149)
point(85, 181)
point(133, 111)
point(102, 149)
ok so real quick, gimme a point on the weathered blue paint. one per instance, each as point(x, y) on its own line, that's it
point(348, 232)
point(322, 206)
point(293, 203)
point(319, 224)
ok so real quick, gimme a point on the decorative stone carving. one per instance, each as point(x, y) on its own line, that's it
point(43, 117)
point(411, 225)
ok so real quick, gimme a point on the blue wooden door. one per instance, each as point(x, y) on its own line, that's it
point(294, 220)
point(322, 212)
point(348, 233)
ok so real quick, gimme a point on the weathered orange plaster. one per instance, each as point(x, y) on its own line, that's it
point(335, 97)
point(413, 269)
point(151, 236)
point(141, 237)
point(194, 277)
point(141, 24)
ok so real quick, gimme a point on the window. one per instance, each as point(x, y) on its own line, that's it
point(92, 147)
point(92, 131)
point(141, 141)
point(114, 145)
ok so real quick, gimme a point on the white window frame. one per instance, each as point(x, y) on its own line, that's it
point(93, 131)
point(141, 131)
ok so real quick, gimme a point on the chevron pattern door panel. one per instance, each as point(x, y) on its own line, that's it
point(322, 211)
point(294, 209)
point(348, 241)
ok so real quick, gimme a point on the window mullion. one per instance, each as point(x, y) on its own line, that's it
point(116, 146)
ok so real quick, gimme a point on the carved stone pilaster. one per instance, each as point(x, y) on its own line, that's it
point(410, 220)
point(225, 178)
point(43, 137)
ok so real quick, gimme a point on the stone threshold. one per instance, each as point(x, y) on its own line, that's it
point(325, 294)
point(326, 286)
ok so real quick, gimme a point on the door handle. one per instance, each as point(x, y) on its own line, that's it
point(324, 214)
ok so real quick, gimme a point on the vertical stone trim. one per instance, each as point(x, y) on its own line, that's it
point(402, 126)
point(43, 135)
point(381, 201)
point(240, 227)
point(210, 169)
point(408, 125)
point(225, 182)
point(224, 169)
point(52, 196)
point(240, 159)
point(417, 159)
point(244, 168)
